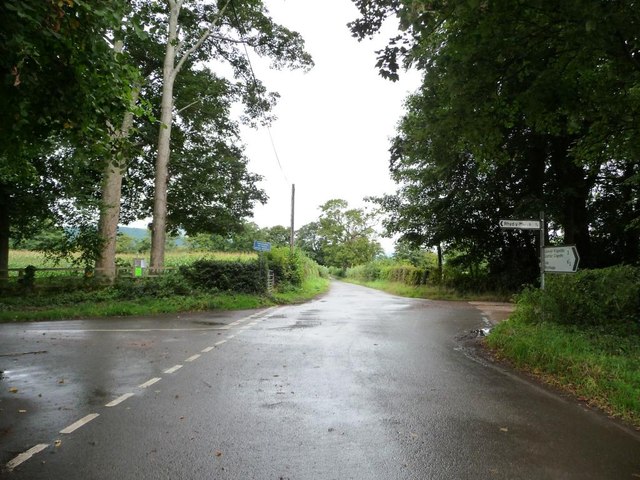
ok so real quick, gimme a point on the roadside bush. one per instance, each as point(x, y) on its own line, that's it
point(337, 272)
point(162, 286)
point(391, 271)
point(291, 269)
point(236, 276)
point(608, 297)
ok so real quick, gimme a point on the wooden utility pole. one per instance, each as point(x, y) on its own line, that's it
point(293, 203)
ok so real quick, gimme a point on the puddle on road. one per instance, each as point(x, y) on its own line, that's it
point(209, 324)
point(477, 333)
point(306, 324)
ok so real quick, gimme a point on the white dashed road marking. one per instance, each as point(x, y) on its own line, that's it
point(148, 383)
point(83, 421)
point(173, 369)
point(119, 400)
point(24, 456)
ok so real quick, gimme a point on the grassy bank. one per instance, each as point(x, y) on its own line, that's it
point(96, 305)
point(599, 368)
point(203, 281)
point(581, 334)
point(430, 292)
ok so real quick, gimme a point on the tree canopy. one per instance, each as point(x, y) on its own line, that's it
point(342, 237)
point(75, 72)
point(524, 107)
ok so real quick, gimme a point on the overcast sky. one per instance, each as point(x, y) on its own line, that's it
point(334, 122)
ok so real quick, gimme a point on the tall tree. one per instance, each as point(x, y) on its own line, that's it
point(61, 84)
point(523, 107)
point(347, 235)
point(199, 31)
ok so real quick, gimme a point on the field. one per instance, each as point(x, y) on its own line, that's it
point(24, 258)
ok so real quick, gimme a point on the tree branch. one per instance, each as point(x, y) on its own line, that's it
point(200, 41)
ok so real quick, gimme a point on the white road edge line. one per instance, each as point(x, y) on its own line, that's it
point(206, 350)
point(220, 342)
point(193, 357)
point(173, 369)
point(148, 383)
point(24, 456)
point(119, 400)
point(83, 421)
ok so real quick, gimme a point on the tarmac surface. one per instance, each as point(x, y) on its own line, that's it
point(357, 384)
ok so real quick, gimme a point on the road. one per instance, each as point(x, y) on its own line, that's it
point(358, 384)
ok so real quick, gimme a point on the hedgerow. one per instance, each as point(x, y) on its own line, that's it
point(608, 297)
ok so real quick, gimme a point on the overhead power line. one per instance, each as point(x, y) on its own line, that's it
point(255, 85)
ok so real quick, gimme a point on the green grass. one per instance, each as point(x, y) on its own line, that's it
point(602, 369)
point(311, 288)
point(428, 291)
point(137, 307)
point(107, 302)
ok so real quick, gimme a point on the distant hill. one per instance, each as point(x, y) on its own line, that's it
point(137, 233)
point(142, 233)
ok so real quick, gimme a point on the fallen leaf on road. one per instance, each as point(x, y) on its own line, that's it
point(218, 453)
point(61, 381)
point(13, 390)
point(57, 443)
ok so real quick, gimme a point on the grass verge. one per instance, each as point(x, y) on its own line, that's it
point(310, 288)
point(428, 291)
point(88, 308)
point(599, 368)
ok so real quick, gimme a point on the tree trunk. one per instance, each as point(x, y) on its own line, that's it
point(159, 227)
point(573, 184)
point(110, 209)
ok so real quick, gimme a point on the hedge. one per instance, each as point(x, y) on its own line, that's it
point(608, 297)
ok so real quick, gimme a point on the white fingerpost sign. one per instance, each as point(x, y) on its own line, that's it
point(561, 259)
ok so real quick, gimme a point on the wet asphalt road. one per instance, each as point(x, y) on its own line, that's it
point(356, 385)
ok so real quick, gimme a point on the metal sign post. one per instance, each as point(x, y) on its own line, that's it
point(552, 259)
point(530, 225)
point(262, 247)
point(542, 229)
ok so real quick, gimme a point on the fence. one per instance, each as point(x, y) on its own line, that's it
point(54, 277)
point(271, 281)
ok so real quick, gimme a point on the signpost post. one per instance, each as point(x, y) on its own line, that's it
point(262, 247)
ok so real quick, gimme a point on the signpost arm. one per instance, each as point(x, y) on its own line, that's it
point(542, 235)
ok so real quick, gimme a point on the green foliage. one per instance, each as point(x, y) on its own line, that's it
point(166, 285)
point(520, 110)
point(196, 285)
point(342, 237)
point(225, 276)
point(607, 298)
point(390, 271)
